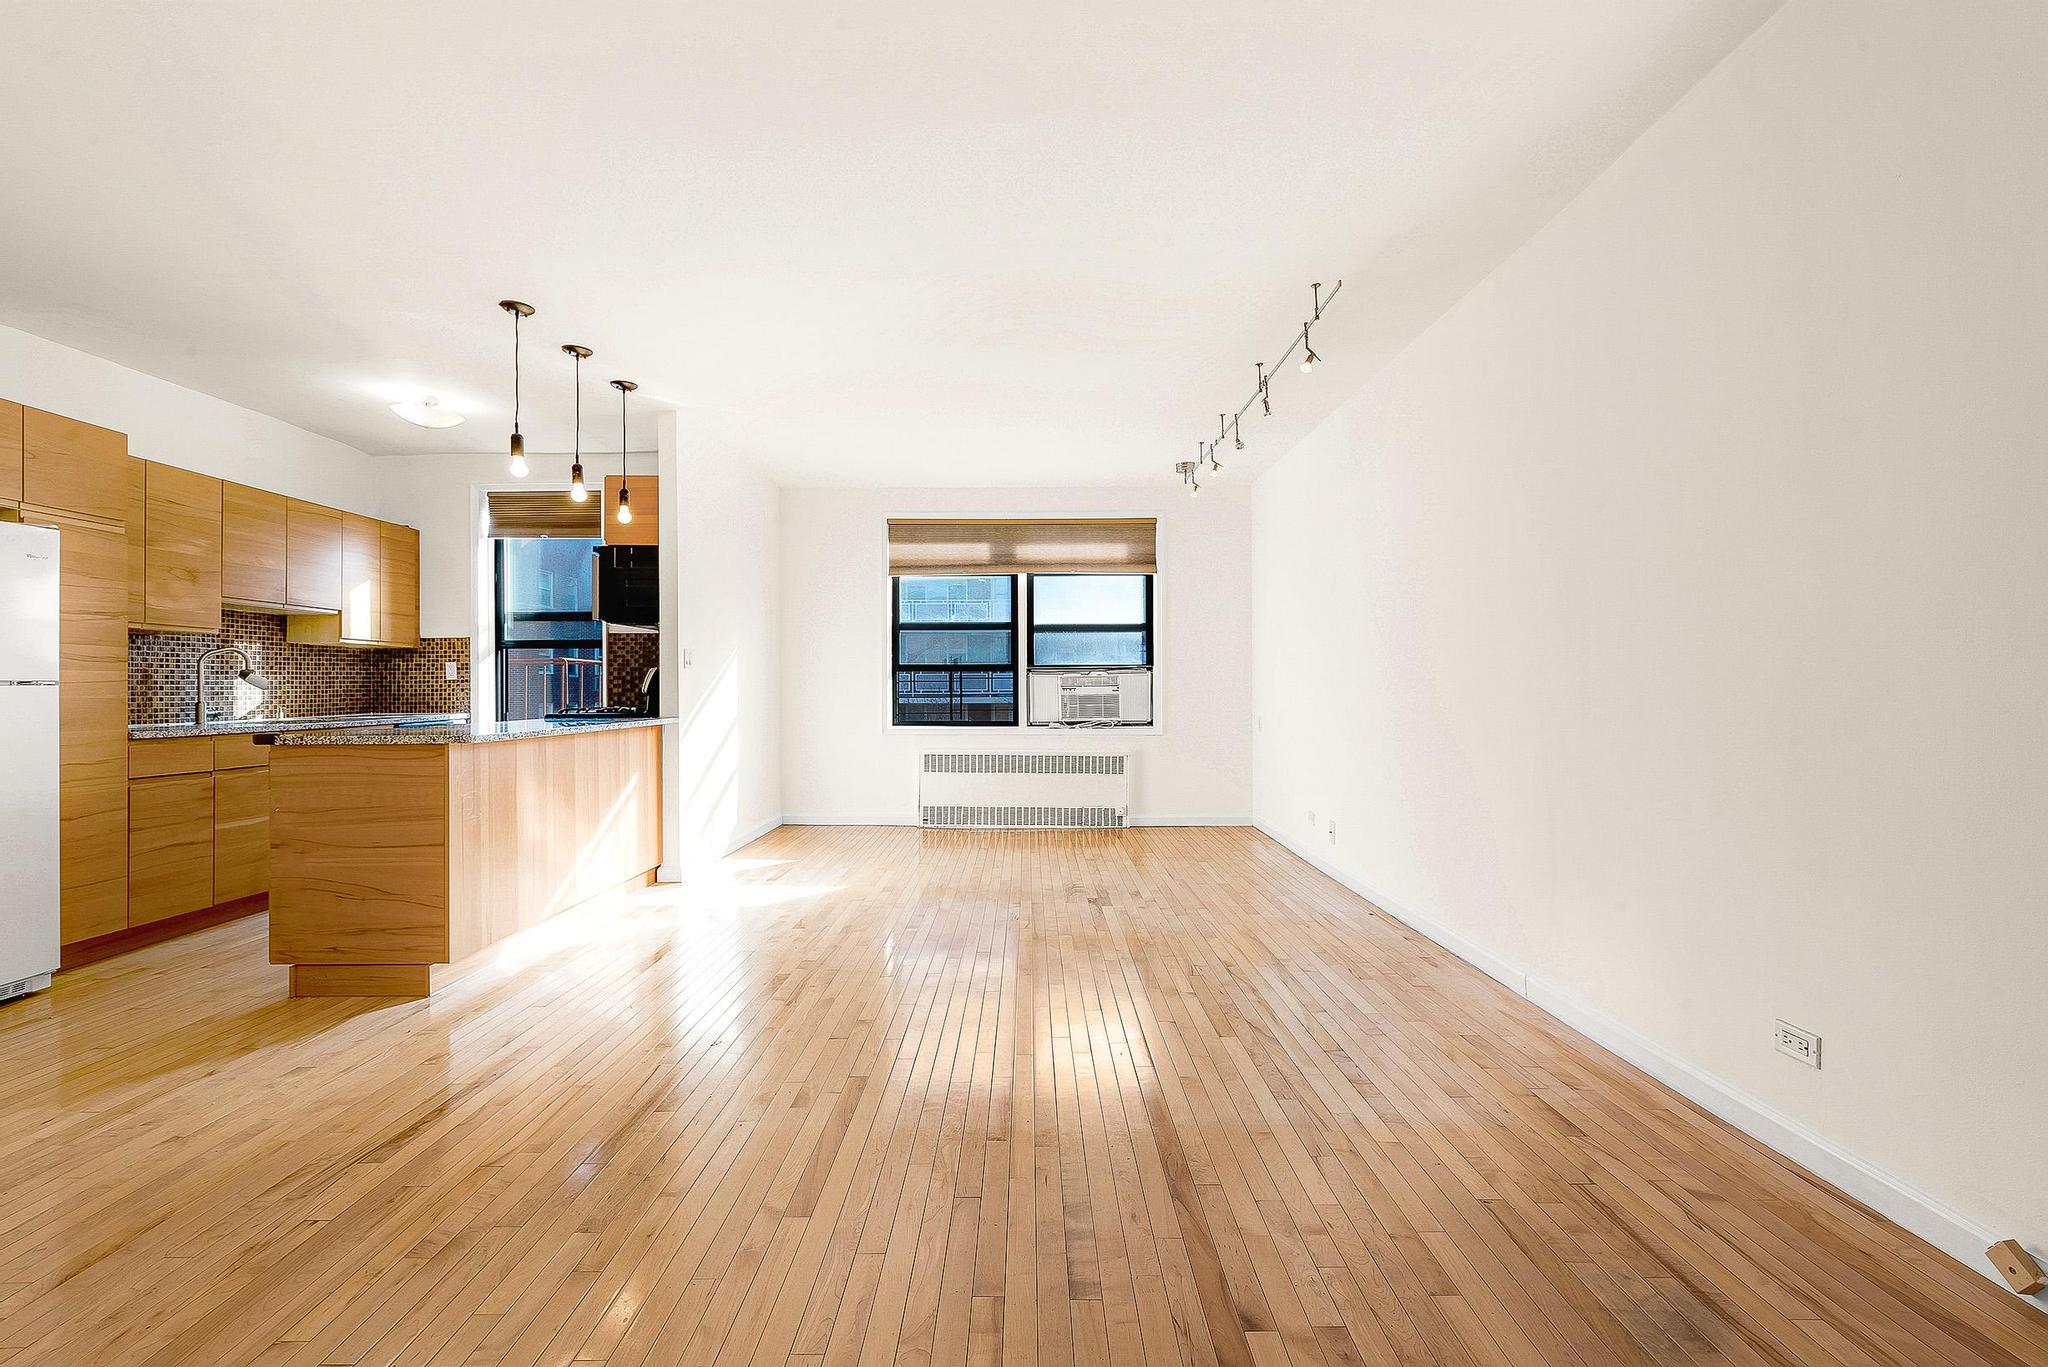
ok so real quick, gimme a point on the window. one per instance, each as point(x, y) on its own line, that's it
point(550, 649)
point(953, 642)
point(1091, 621)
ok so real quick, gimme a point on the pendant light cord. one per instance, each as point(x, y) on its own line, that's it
point(515, 371)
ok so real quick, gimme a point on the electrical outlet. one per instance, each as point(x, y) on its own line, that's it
point(1333, 832)
point(1311, 819)
point(1795, 1043)
point(448, 670)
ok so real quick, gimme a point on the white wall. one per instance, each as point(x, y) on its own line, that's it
point(843, 762)
point(721, 774)
point(182, 427)
point(1670, 621)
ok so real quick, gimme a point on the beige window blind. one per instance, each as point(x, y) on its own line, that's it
point(545, 512)
point(1024, 546)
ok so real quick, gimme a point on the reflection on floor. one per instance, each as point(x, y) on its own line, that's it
point(1158, 1097)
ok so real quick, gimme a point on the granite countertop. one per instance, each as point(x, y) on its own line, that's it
point(249, 726)
point(459, 734)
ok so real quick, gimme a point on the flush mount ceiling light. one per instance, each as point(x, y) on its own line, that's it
point(578, 490)
point(624, 387)
point(426, 412)
point(518, 444)
point(1229, 426)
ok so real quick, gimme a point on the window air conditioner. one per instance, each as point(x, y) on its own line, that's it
point(1090, 697)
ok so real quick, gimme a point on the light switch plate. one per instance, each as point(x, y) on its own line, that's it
point(448, 670)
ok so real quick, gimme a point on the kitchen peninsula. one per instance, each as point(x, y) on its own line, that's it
point(397, 850)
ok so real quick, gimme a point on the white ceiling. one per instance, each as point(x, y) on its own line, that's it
point(893, 242)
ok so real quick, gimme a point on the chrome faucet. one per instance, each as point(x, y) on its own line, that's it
point(247, 674)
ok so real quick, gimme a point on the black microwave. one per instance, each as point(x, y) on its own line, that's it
point(627, 586)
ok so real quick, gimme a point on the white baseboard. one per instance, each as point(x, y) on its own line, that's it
point(677, 871)
point(1897, 1200)
point(813, 819)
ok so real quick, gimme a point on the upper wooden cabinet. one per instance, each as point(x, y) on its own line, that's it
point(253, 562)
point(312, 557)
point(645, 528)
point(10, 452)
point(401, 585)
point(73, 467)
point(362, 579)
point(181, 534)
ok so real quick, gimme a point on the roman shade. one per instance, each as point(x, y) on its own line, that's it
point(1097, 545)
point(545, 512)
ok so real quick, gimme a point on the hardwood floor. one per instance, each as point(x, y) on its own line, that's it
point(1075, 1100)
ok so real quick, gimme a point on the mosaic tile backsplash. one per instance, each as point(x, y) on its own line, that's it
point(628, 655)
point(309, 681)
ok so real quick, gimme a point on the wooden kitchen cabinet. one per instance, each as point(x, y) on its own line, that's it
point(181, 568)
point(73, 467)
point(400, 585)
point(361, 620)
point(312, 557)
point(10, 451)
point(241, 833)
point(253, 560)
point(170, 847)
point(92, 720)
point(138, 542)
point(645, 528)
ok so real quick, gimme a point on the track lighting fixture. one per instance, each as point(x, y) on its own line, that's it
point(518, 444)
point(1231, 425)
point(578, 490)
point(625, 513)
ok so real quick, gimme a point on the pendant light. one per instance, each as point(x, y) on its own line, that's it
point(625, 514)
point(578, 490)
point(518, 311)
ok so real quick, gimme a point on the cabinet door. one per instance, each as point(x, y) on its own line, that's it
point(401, 586)
point(138, 542)
point(181, 570)
point(92, 726)
point(241, 833)
point(170, 847)
point(645, 528)
point(252, 559)
point(312, 556)
point(362, 588)
point(70, 466)
point(10, 452)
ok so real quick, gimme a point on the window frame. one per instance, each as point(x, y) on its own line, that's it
point(1151, 661)
point(1016, 666)
point(500, 646)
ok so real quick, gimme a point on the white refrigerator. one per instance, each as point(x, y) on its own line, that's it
point(28, 778)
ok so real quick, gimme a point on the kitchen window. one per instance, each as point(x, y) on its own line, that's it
point(953, 650)
point(1087, 621)
point(550, 649)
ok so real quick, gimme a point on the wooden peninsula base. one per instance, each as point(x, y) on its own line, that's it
point(395, 852)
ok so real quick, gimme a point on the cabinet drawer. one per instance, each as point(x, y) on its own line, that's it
point(239, 752)
point(156, 758)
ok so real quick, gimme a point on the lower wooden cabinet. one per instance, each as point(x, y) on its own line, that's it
point(170, 846)
point(241, 834)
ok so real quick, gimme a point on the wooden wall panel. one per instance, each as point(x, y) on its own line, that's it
point(541, 825)
point(359, 846)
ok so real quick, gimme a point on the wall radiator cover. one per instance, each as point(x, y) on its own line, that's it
point(1032, 790)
